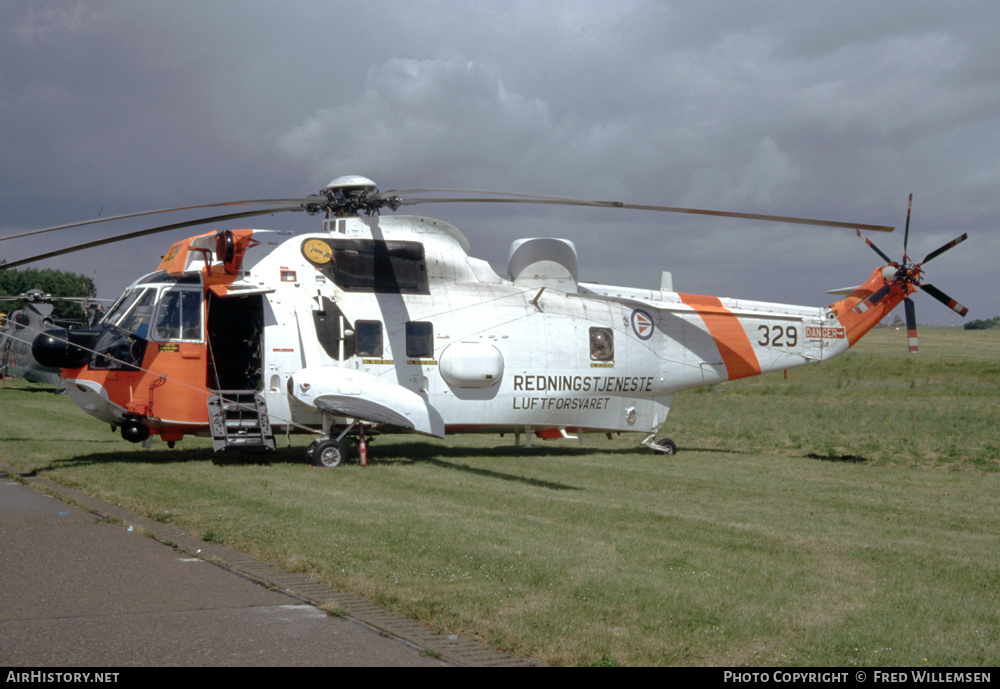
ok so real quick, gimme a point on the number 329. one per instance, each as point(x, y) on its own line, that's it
point(778, 336)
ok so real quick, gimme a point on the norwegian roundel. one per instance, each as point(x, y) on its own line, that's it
point(642, 324)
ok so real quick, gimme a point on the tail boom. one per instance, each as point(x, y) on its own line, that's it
point(865, 307)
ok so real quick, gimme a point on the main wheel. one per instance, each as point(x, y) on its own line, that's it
point(327, 453)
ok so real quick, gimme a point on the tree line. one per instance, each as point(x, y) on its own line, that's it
point(983, 324)
point(58, 283)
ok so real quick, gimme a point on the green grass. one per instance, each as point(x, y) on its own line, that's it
point(846, 515)
point(877, 404)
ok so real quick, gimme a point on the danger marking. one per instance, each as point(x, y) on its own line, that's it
point(815, 332)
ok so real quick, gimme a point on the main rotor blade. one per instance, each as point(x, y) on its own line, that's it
point(558, 201)
point(876, 249)
point(941, 250)
point(911, 324)
point(143, 233)
point(48, 299)
point(945, 299)
point(94, 221)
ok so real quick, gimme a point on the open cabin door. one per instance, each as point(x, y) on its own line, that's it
point(237, 411)
point(235, 333)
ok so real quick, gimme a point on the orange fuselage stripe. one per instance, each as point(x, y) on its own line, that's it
point(727, 331)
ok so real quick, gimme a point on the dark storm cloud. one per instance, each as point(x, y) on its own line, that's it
point(835, 111)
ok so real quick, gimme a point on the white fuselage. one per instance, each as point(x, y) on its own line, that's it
point(490, 353)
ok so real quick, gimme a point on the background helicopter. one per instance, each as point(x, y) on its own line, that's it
point(386, 323)
point(20, 327)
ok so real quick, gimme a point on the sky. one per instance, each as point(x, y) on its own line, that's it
point(835, 110)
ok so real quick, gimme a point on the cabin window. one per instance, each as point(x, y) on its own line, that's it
point(370, 265)
point(602, 344)
point(179, 316)
point(335, 332)
point(364, 338)
point(419, 340)
point(368, 337)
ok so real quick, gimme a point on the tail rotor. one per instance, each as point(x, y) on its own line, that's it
point(909, 274)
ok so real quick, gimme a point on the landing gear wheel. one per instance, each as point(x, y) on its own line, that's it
point(667, 446)
point(327, 453)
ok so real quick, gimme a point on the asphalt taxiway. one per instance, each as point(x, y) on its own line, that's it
point(94, 585)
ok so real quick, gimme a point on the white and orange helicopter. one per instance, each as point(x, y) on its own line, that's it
point(381, 323)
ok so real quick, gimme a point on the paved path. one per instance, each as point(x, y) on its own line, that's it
point(78, 587)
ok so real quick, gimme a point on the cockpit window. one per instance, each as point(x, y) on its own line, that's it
point(117, 351)
point(138, 314)
point(123, 304)
point(161, 307)
point(164, 277)
point(178, 316)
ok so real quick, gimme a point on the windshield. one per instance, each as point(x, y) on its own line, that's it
point(139, 313)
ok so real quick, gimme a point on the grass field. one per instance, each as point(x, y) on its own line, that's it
point(846, 515)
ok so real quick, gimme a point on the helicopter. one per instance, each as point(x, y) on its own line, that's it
point(378, 322)
point(19, 329)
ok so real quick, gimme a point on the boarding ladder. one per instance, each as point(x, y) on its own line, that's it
point(239, 421)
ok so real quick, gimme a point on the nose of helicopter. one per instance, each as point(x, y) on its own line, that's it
point(93, 398)
point(62, 348)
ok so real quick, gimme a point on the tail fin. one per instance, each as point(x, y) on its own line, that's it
point(866, 306)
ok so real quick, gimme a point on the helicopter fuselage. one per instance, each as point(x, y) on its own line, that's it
point(17, 331)
point(389, 321)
